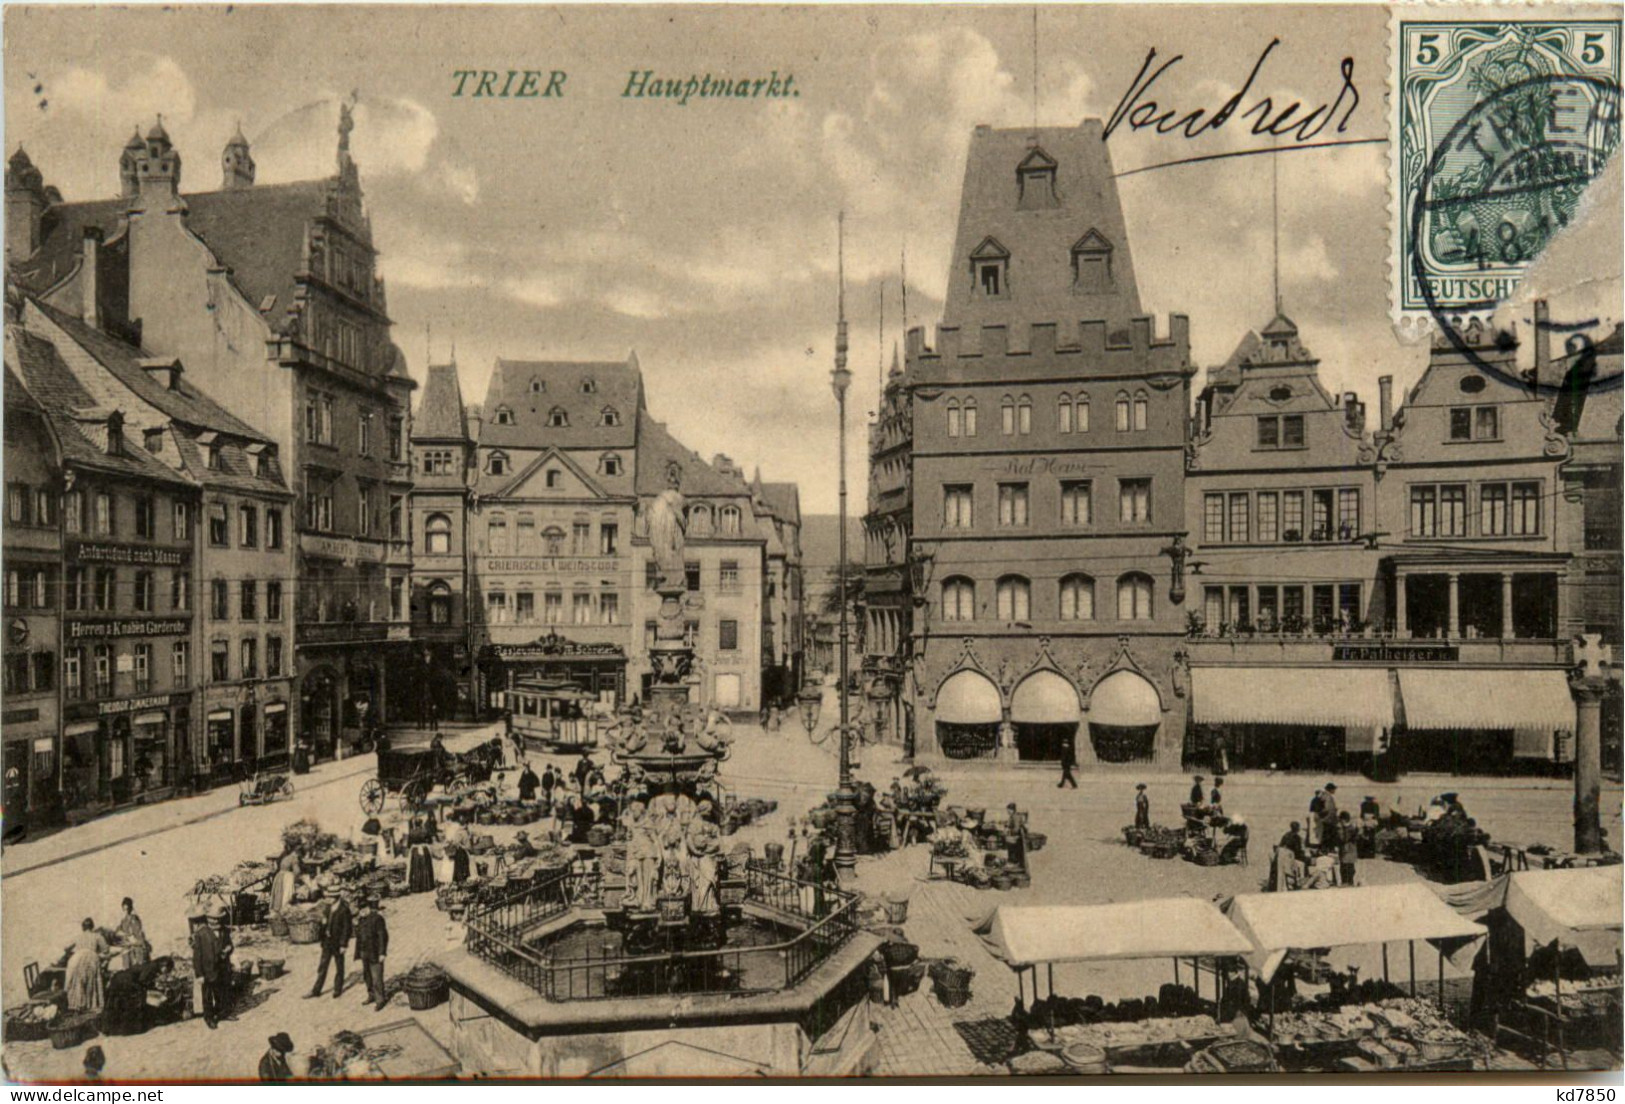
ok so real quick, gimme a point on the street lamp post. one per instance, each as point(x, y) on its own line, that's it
point(840, 378)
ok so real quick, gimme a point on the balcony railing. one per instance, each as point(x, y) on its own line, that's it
point(499, 931)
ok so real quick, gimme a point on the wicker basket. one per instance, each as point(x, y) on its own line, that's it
point(423, 999)
point(71, 1030)
point(279, 925)
point(304, 930)
point(21, 1028)
point(1036, 841)
point(1084, 1057)
point(272, 968)
point(899, 954)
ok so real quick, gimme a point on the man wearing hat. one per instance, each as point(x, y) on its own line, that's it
point(336, 933)
point(522, 847)
point(209, 964)
point(1196, 791)
point(274, 1063)
point(1142, 806)
point(371, 947)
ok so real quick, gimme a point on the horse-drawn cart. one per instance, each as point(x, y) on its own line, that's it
point(414, 772)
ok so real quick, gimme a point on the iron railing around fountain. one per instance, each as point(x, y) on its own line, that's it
point(502, 931)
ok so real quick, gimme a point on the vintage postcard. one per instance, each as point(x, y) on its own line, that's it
point(624, 542)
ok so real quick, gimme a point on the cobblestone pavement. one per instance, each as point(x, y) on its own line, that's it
point(156, 854)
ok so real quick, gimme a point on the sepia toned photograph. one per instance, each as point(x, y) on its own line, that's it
point(616, 542)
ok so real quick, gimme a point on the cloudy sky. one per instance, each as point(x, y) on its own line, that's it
point(704, 236)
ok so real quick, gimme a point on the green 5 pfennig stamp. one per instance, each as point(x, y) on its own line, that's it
point(1498, 128)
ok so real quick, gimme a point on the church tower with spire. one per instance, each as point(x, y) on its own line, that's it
point(236, 163)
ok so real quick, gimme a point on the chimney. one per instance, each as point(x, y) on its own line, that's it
point(1385, 402)
point(167, 372)
point(1543, 342)
point(90, 271)
point(25, 206)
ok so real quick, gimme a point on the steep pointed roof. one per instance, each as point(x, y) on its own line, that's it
point(657, 448)
point(531, 390)
point(440, 415)
point(784, 500)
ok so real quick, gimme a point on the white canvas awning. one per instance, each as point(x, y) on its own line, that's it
point(1353, 697)
point(969, 698)
point(1174, 927)
point(1044, 698)
point(1487, 699)
point(1578, 908)
point(1126, 700)
point(1363, 915)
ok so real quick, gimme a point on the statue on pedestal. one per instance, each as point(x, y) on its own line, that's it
point(668, 532)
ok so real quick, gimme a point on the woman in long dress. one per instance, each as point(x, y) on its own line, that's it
point(84, 980)
point(420, 869)
point(132, 938)
point(282, 884)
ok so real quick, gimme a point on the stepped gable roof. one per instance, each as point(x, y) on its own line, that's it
point(440, 412)
point(258, 233)
point(614, 383)
point(184, 403)
point(65, 400)
point(657, 449)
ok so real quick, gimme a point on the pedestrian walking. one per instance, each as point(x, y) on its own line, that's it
point(372, 947)
point(1069, 759)
point(337, 930)
point(1142, 806)
point(274, 1062)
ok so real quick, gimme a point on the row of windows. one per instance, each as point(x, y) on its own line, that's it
point(26, 505)
point(727, 576)
point(498, 463)
point(319, 426)
point(1077, 503)
point(1131, 414)
point(558, 417)
point(550, 542)
point(96, 678)
point(1281, 608)
point(1504, 510)
point(727, 635)
point(30, 673)
point(320, 516)
point(1075, 598)
point(248, 525)
point(1268, 517)
point(98, 514)
point(585, 608)
point(248, 600)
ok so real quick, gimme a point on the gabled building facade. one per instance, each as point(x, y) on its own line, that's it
point(1029, 505)
point(268, 294)
point(442, 495)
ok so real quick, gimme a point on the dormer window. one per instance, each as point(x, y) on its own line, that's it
point(537, 386)
point(213, 454)
point(497, 464)
point(115, 434)
point(1092, 264)
point(504, 415)
point(609, 416)
point(1035, 182)
point(557, 418)
point(990, 269)
point(154, 440)
point(262, 464)
point(610, 463)
point(589, 386)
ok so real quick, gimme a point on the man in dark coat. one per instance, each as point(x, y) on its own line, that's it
point(1328, 816)
point(528, 782)
point(336, 933)
point(1069, 759)
point(583, 772)
point(1142, 807)
point(372, 947)
point(274, 1062)
point(1196, 790)
point(549, 781)
point(208, 965)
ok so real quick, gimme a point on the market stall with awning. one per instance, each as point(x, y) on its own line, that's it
point(1354, 697)
point(1277, 923)
point(1574, 908)
point(1537, 700)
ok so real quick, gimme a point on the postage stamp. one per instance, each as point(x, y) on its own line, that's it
point(1497, 129)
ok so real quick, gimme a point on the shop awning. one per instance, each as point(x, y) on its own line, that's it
point(1126, 700)
point(1363, 915)
point(1353, 697)
point(220, 715)
point(155, 717)
point(1044, 698)
point(81, 728)
point(969, 698)
point(1579, 908)
point(1174, 927)
point(1489, 699)
point(276, 707)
